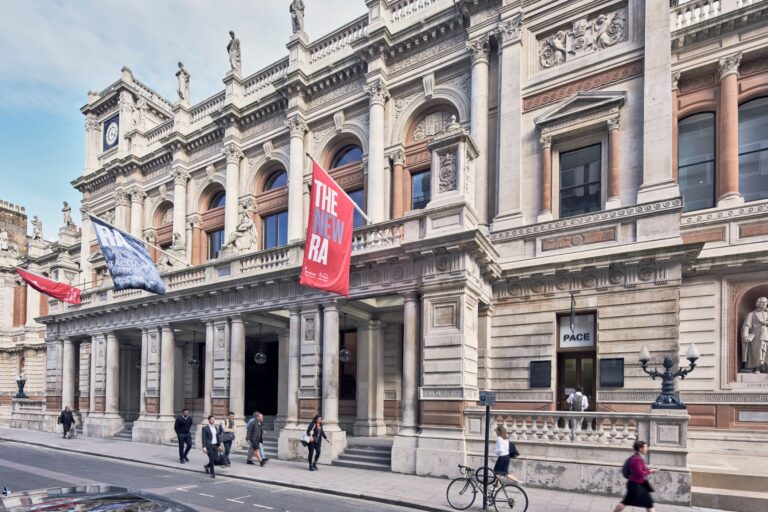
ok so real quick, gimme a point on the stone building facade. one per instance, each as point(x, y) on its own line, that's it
point(552, 186)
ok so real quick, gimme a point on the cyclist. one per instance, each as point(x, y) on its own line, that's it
point(503, 447)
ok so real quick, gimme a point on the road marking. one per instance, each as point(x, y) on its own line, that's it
point(207, 495)
point(237, 500)
point(263, 506)
point(185, 488)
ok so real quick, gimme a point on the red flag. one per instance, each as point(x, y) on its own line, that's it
point(56, 290)
point(328, 248)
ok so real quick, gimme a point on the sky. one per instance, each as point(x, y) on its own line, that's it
point(53, 51)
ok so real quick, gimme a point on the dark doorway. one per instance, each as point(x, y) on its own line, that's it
point(575, 369)
point(261, 379)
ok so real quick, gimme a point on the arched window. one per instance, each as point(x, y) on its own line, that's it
point(272, 203)
point(696, 161)
point(347, 155)
point(277, 180)
point(753, 149)
point(218, 200)
point(213, 223)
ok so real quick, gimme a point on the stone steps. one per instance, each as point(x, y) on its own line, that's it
point(126, 434)
point(372, 457)
point(727, 499)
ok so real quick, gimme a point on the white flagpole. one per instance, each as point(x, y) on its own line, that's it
point(140, 240)
point(359, 210)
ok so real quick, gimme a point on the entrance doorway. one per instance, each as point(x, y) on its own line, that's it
point(575, 369)
point(261, 379)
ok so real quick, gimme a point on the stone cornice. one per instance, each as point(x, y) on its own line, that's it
point(718, 26)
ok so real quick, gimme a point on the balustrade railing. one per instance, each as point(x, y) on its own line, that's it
point(378, 236)
point(403, 9)
point(159, 131)
point(272, 259)
point(263, 78)
point(210, 105)
point(338, 40)
point(686, 13)
point(186, 277)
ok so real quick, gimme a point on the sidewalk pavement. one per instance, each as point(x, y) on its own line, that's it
point(415, 492)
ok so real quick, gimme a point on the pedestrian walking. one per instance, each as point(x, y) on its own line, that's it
point(66, 419)
point(638, 488)
point(264, 458)
point(183, 427)
point(505, 450)
point(211, 443)
point(228, 435)
point(578, 400)
point(314, 443)
point(254, 433)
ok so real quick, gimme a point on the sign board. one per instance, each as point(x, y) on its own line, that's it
point(583, 333)
point(487, 398)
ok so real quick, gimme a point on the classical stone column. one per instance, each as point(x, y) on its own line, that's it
point(370, 380)
point(378, 93)
point(92, 377)
point(398, 184)
point(298, 129)
point(545, 210)
point(137, 211)
point(85, 248)
point(111, 400)
point(237, 368)
point(484, 328)
point(68, 376)
point(123, 209)
point(294, 362)
point(167, 372)
point(92, 143)
point(232, 181)
point(614, 165)
point(675, 147)
point(208, 390)
point(411, 327)
point(510, 135)
point(180, 178)
point(283, 349)
point(143, 383)
point(479, 48)
point(728, 148)
point(657, 111)
point(331, 366)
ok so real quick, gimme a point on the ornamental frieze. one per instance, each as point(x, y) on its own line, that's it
point(452, 43)
point(587, 35)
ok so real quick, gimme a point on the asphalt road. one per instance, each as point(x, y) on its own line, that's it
point(24, 468)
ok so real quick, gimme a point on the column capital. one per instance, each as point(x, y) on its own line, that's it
point(233, 153)
point(84, 211)
point(613, 124)
point(545, 141)
point(236, 319)
point(180, 176)
point(332, 305)
point(377, 91)
point(729, 65)
point(195, 220)
point(675, 80)
point(137, 194)
point(122, 197)
point(510, 31)
point(410, 296)
point(296, 126)
point(398, 157)
point(479, 48)
point(294, 310)
point(91, 122)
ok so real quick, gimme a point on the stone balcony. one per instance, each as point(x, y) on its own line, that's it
point(696, 20)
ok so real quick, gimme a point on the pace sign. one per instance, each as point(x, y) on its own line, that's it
point(583, 333)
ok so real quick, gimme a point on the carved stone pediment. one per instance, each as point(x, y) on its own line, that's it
point(580, 108)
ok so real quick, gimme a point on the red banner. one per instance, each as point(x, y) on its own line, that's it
point(328, 248)
point(56, 290)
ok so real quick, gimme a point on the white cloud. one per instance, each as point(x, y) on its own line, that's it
point(55, 51)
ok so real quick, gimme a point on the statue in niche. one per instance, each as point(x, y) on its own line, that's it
point(233, 48)
point(5, 245)
point(297, 16)
point(183, 89)
point(754, 338)
point(244, 237)
point(67, 214)
point(140, 113)
point(37, 228)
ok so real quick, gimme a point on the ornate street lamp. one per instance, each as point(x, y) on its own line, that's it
point(260, 357)
point(194, 363)
point(669, 397)
point(21, 380)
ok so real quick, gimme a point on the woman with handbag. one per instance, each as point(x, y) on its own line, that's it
point(505, 450)
point(314, 439)
point(638, 487)
point(228, 435)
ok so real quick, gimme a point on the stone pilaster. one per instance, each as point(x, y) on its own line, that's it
point(234, 156)
point(180, 178)
point(405, 443)
point(137, 211)
point(167, 373)
point(208, 386)
point(283, 344)
point(614, 164)
point(399, 198)
point(294, 363)
point(378, 94)
point(112, 394)
point(510, 130)
point(237, 367)
point(92, 143)
point(370, 380)
point(298, 129)
point(122, 209)
point(143, 377)
point(728, 147)
point(68, 376)
point(221, 366)
point(330, 378)
point(545, 208)
point(479, 48)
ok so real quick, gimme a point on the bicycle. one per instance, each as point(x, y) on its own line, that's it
point(463, 490)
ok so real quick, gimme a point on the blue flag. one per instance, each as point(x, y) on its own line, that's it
point(127, 260)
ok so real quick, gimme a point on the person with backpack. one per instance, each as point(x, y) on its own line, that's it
point(505, 450)
point(578, 400)
point(638, 487)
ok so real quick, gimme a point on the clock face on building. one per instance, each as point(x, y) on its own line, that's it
point(111, 132)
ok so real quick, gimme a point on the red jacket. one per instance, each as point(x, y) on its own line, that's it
point(637, 469)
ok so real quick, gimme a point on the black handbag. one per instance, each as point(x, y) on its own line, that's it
point(648, 486)
point(513, 451)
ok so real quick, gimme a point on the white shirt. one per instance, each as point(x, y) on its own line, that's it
point(502, 446)
point(214, 440)
point(584, 401)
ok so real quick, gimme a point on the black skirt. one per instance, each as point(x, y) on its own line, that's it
point(502, 465)
point(637, 496)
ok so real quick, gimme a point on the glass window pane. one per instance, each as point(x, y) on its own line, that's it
point(580, 174)
point(696, 139)
point(420, 189)
point(697, 185)
point(275, 230)
point(753, 149)
point(569, 374)
point(218, 200)
point(588, 376)
point(282, 228)
point(277, 180)
point(347, 155)
point(358, 196)
point(215, 243)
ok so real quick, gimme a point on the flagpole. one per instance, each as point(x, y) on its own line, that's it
point(359, 210)
point(140, 240)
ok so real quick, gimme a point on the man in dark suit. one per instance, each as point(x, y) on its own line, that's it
point(182, 428)
point(67, 419)
point(211, 444)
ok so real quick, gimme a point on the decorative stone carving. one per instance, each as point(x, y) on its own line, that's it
point(377, 91)
point(545, 141)
point(140, 115)
point(297, 16)
point(402, 102)
point(296, 126)
point(233, 49)
point(613, 124)
point(91, 123)
point(245, 237)
point(447, 172)
point(180, 176)
point(511, 29)
point(398, 157)
point(210, 173)
point(138, 195)
point(122, 197)
point(586, 36)
point(729, 65)
point(195, 221)
point(233, 153)
point(675, 80)
point(108, 216)
point(268, 149)
point(479, 49)
point(754, 338)
point(431, 124)
point(5, 245)
point(309, 329)
point(429, 85)
point(66, 212)
point(338, 121)
point(164, 194)
point(183, 88)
